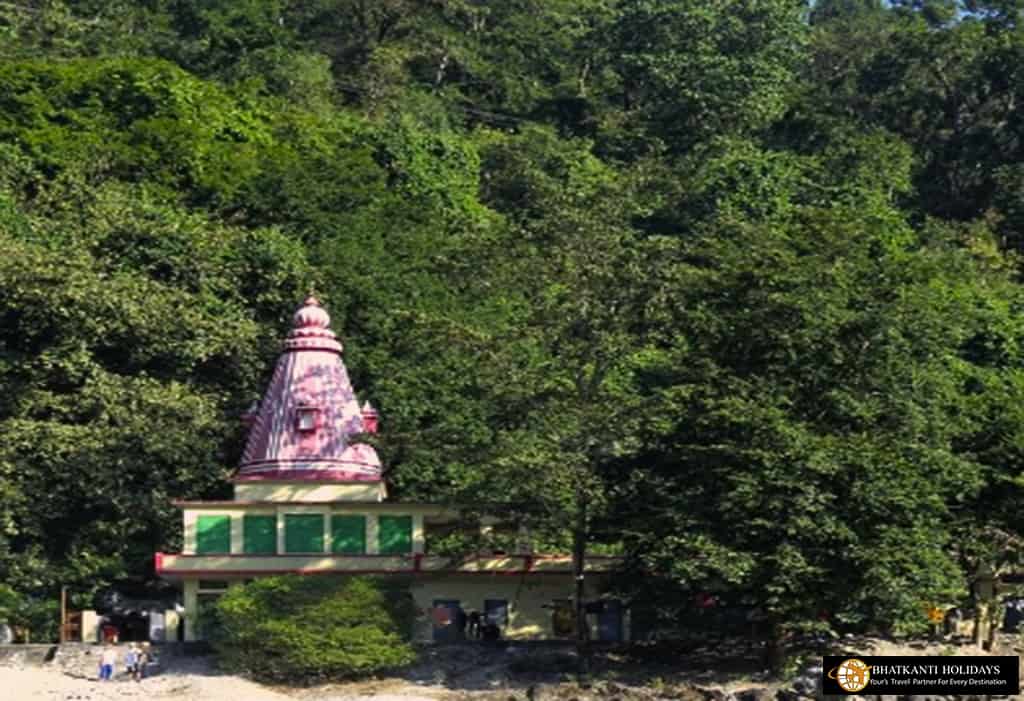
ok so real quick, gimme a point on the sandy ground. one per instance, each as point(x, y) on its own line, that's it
point(29, 684)
point(191, 682)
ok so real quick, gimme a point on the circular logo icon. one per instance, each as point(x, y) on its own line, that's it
point(852, 675)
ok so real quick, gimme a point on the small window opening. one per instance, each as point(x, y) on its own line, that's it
point(306, 419)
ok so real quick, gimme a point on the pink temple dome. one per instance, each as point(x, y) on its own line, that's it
point(311, 329)
point(309, 412)
point(311, 314)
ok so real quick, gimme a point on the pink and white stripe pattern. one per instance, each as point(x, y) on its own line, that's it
point(309, 376)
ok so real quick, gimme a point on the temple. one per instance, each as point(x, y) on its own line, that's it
point(310, 497)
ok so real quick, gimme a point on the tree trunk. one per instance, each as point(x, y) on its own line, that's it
point(994, 623)
point(442, 66)
point(987, 607)
point(980, 618)
point(774, 649)
point(581, 81)
point(579, 549)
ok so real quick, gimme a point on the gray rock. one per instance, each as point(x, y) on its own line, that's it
point(791, 695)
point(807, 685)
point(808, 680)
point(714, 694)
point(759, 694)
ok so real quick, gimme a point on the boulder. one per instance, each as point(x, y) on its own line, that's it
point(790, 695)
point(808, 682)
point(712, 693)
point(806, 686)
point(756, 694)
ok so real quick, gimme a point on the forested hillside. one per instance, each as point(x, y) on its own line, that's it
point(741, 278)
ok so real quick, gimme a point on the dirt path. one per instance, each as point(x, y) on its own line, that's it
point(42, 684)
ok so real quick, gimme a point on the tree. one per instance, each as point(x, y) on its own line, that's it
point(135, 120)
point(688, 70)
point(815, 402)
point(571, 276)
point(113, 325)
point(946, 86)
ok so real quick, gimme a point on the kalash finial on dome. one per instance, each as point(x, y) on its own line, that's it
point(311, 329)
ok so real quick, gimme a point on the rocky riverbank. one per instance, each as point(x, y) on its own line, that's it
point(463, 673)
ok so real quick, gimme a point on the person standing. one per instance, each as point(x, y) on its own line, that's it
point(460, 622)
point(108, 658)
point(131, 660)
point(141, 660)
point(474, 624)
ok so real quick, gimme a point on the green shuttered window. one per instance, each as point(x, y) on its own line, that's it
point(395, 534)
point(348, 534)
point(304, 533)
point(260, 535)
point(213, 534)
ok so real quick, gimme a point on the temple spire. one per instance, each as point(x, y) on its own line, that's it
point(309, 413)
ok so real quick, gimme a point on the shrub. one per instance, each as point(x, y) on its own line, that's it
point(32, 619)
point(308, 629)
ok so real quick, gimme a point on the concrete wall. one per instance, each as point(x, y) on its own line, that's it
point(290, 491)
point(19, 655)
point(220, 567)
point(526, 595)
point(529, 598)
point(90, 627)
point(172, 619)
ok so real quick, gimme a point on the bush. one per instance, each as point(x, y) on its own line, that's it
point(309, 629)
point(32, 619)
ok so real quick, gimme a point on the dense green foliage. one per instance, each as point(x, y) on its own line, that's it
point(30, 619)
point(732, 288)
point(295, 628)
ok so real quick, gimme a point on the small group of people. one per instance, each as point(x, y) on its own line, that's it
point(136, 657)
point(477, 626)
point(472, 625)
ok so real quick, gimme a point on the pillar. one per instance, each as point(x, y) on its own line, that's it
point(280, 531)
point(189, 523)
point(171, 622)
point(237, 534)
point(191, 587)
point(372, 531)
point(418, 538)
point(90, 627)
